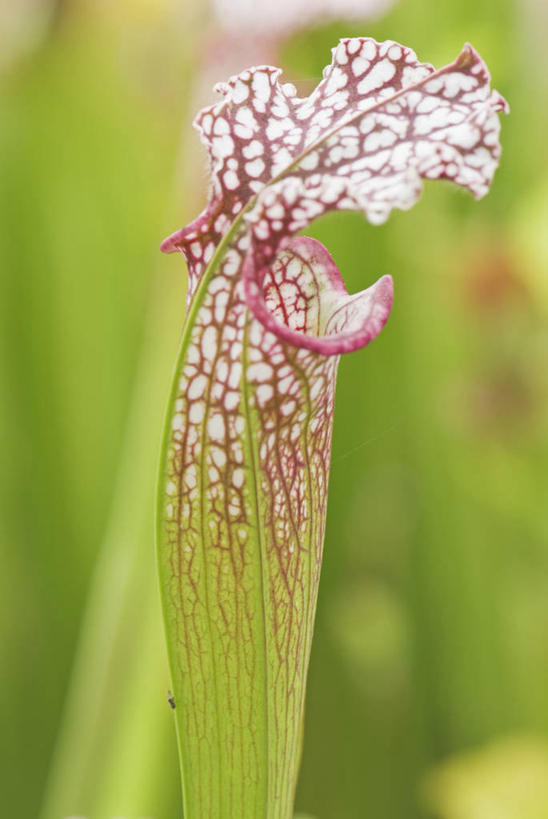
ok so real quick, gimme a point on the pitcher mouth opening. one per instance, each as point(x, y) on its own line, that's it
point(301, 297)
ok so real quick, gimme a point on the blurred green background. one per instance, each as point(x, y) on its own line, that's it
point(428, 689)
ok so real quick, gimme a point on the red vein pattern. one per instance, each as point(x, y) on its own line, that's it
point(244, 477)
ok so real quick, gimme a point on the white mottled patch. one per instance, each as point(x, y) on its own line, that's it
point(264, 393)
point(206, 123)
point(216, 427)
point(208, 252)
point(261, 86)
point(235, 352)
point(381, 73)
point(351, 150)
point(274, 130)
point(377, 160)
point(240, 92)
point(235, 375)
point(427, 104)
point(280, 109)
point(221, 127)
point(260, 372)
point(196, 413)
point(309, 162)
point(243, 131)
point(275, 211)
point(425, 123)
point(288, 407)
point(255, 167)
point(316, 388)
point(234, 508)
point(231, 181)
point(232, 263)
point(222, 146)
point(341, 54)
point(456, 82)
point(255, 148)
point(261, 230)
point(353, 45)
point(220, 307)
point(245, 116)
point(379, 139)
point(335, 154)
point(190, 476)
point(369, 50)
point(465, 136)
point(197, 387)
point(221, 223)
point(178, 421)
point(232, 399)
point(400, 156)
point(209, 343)
point(367, 124)
point(336, 81)
point(289, 89)
point(359, 66)
point(221, 371)
point(323, 118)
point(218, 456)
point(413, 74)
point(434, 85)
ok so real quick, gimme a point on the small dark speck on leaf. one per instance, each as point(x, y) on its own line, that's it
point(171, 699)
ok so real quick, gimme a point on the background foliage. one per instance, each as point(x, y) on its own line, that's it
point(427, 691)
